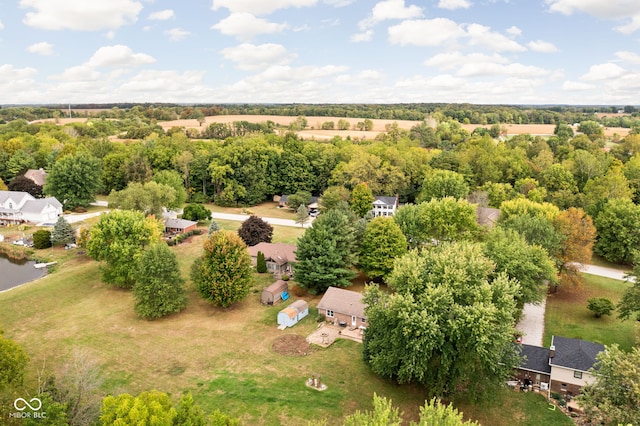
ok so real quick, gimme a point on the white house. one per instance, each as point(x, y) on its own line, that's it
point(18, 207)
point(385, 206)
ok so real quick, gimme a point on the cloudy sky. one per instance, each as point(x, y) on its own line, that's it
point(320, 51)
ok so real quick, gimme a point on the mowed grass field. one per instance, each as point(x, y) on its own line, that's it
point(567, 314)
point(223, 356)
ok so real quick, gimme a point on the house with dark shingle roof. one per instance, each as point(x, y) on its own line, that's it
point(279, 257)
point(562, 368)
point(343, 307)
point(384, 206)
point(570, 361)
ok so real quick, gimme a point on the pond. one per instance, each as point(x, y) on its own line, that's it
point(16, 272)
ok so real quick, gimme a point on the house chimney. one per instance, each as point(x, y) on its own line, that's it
point(552, 351)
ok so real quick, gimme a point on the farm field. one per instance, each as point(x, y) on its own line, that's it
point(314, 123)
point(225, 357)
point(567, 314)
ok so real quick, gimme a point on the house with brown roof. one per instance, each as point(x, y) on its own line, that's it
point(487, 216)
point(38, 176)
point(179, 226)
point(279, 257)
point(343, 307)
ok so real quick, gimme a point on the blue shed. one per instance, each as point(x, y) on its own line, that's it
point(289, 316)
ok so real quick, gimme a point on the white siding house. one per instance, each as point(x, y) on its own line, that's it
point(18, 207)
point(384, 206)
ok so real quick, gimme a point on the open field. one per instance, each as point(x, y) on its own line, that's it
point(223, 356)
point(567, 314)
point(314, 126)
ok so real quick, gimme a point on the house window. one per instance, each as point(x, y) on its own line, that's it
point(329, 313)
point(577, 374)
point(363, 320)
point(563, 386)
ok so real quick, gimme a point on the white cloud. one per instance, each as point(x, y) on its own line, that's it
point(260, 7)
point(603, 72)
point(360, 37)
point(82, 16)
point(79, 74)
point(251, 57)
point(110, 35)
point(631, 57)
point(339, 3)
point(177, 34)
point(42, 48)
point(9, 73)
point(17, 85)
point(603, 9)
point(1, 26)
point(452, 60)
point(514, 31)
point(390, 9)
point(425, 32)
point(577, 86)
point(542, 46)
point(482, 36)
point(475, 69)
point(118, 56)
point(245, 26)
point(162, 15)
point(454, 4)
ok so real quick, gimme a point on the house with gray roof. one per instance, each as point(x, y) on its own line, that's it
point(384, 206)
point(179, 226)
point(562, 368)
point(343, 307)
point(19, 207)
point(279, 257)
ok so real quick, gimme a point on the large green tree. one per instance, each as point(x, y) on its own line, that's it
point(74, 180)
point(119, 239)
point(148, 198)
point(617, 226)
point(158, 290)
point(326, 253)
point(443, 183)
point(222, 274)
point(361, 200)
point(148, 408)
point(448, 326)
point(382, 243)
point(613, 398)
point(530, 265)
point(629, 306)
point(174, 180)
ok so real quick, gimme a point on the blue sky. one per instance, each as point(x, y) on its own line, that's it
point(320, 51)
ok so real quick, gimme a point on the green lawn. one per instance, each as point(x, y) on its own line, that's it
point(567, 314)
point(266, 209)
point(223, 356)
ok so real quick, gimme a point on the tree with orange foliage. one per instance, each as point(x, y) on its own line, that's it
point(578, 236)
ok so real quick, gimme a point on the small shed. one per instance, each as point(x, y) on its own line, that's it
point(289, 316)
point(277, 291)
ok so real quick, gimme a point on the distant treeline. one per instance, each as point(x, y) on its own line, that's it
point(463, 113)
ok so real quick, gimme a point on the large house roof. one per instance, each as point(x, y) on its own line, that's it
point(535, 359)
point(575, 354)
point(16, 196)
point(343, 302)
point(279, 253)
point(383, 200)
point(178, 223)
point(36, 206)
point(38, 176)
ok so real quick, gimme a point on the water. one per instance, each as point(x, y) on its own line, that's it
point(16, 272)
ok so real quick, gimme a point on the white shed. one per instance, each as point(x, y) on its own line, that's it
point(289, 316)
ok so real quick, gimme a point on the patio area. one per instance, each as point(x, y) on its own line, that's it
point(327, 333)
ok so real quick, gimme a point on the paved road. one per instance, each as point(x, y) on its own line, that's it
point(601, 271)
point(271, 220)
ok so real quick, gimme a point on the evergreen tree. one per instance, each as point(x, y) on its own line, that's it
point(261, 263)
point(213, 227)
point(42, 239)
point(326, 253)
point(158, 290)
point(63, 232)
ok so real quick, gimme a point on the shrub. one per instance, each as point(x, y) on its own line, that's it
point(42, 239)
point(196, 212)
point(286, 277)
point(600, 306)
